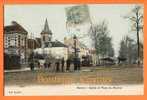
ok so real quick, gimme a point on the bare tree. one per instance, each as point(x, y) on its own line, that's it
point(136, 18)
point(102, 42)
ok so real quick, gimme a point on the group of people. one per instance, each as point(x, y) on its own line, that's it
point(60, 65)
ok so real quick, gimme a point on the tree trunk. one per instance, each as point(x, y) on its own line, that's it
point(138, 51)
point(137, 29)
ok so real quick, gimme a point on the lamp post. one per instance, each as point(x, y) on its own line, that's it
point(75, 49)
point(75, 46)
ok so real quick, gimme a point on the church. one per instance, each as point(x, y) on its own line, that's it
point(61, 50)
point(46, 36)
point(49, 47)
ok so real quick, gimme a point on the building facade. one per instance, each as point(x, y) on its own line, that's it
point(15, 40)
point(83, 52)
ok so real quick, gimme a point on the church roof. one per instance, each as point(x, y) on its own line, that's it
point(58, 44)
point(55, 44)
point(46, 28)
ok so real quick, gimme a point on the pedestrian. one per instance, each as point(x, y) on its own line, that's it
point(45, 65)
point(49, 65)
point(32, 66)
point(78, 64)
point(75, 63)
point(57, 66)
point(38, 63)
point(62, 67)
point(68, 62)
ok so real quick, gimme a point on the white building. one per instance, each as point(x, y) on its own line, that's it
point(56, 52)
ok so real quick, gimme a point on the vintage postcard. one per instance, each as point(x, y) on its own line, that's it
point(73, 49)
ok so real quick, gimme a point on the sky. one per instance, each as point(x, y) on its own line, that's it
point(32, 18)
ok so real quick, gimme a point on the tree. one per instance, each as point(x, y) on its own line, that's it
point(136, 18)
point(123, 50)
point(110, 48)
point(101, 40)
point(128, 49)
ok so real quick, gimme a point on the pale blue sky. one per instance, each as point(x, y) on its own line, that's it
point(32, 18)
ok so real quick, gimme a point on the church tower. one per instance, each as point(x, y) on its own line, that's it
point(46, 36)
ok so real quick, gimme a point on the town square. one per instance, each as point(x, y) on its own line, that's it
point(92, 44)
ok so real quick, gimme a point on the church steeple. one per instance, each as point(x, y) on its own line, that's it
point(46, 35)
point(46, 28)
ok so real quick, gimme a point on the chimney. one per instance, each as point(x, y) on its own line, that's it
point(14, 23)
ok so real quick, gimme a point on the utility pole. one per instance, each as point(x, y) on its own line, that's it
point(75, 46)
point(75, 52)
point(32, 37)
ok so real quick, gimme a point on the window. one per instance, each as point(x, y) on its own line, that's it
point(18, 40)
point(25, 41)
